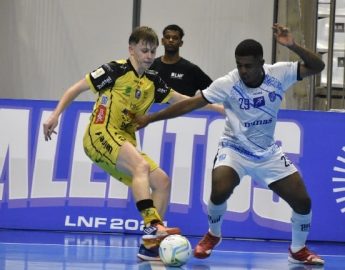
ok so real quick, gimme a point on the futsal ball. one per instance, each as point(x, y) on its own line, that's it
point(175, 250)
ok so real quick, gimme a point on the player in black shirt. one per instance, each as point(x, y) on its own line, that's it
point(180, 74)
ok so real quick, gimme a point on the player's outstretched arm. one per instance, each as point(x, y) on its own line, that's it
point(179, 107)
point(312, 63)
point(71, 93)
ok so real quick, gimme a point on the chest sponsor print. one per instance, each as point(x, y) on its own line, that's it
point(100, 114)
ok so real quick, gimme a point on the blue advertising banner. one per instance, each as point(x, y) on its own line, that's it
point(54, 186)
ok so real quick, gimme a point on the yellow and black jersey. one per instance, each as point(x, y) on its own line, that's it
point(122, 95)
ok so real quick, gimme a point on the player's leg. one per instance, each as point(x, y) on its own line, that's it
point(160, 187)
point(292, 189)
point(130, 161)
point(224, 180)
point(160, 190)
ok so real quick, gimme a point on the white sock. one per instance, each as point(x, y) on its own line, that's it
point(300, 230)
point(215, 217)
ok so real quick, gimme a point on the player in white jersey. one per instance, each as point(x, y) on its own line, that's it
point(251, 95)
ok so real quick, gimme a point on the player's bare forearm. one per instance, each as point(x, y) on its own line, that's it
point(174, 110)
point(312, 63)
point(179, 108)
point(50, 124)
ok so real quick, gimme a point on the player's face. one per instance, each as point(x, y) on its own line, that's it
point(250, 70)
point(171, 41)
point(143, 54)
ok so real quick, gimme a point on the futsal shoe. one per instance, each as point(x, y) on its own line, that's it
point(205, 246)
point(148, 254)
point(154, 234)
point(305, 256)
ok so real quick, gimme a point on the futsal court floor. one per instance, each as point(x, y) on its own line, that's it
point(42, 250)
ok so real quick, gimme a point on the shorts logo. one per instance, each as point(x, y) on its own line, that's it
point(104, 143)
point(100, 114)
point(222, 157)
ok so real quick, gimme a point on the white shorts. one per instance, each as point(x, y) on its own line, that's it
point(263, 172)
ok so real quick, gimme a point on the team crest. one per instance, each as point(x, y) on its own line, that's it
point(137, 93)
point(272, 96)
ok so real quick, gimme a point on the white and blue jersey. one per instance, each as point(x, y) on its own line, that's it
point(251, 113)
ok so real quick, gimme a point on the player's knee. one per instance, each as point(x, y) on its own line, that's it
point(142, 167)
point(302, 205)
point(221, 190)
point(220, 195)
point(160, 181)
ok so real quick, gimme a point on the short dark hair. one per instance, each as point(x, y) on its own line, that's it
point(144, 33)
point(249, 47)
point(174, 27)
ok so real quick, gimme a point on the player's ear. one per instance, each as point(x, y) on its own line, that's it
point(181, 43)
point(130, 49)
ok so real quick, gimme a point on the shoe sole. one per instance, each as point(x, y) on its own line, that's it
point(292, 260)
point(203, 255)
point(150, 240)
point(148, 258)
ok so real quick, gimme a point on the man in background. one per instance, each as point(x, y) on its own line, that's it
point(179, 73)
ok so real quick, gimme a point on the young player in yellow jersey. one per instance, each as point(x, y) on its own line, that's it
point(125, 89)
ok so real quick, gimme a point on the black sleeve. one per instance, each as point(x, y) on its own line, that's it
point(104, 77)
point(161, 89)
point(203, 79)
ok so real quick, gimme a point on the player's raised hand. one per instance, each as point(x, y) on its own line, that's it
point(49, 127)
point(283, 35)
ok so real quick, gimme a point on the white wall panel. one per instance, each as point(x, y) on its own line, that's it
point(213, 28)
point(46, 45)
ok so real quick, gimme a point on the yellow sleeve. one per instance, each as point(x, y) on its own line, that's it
point(88, 80)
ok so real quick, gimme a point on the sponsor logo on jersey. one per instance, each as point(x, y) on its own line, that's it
point(100, 114)
point(258, 122)
point(127, 91)
point(97, 73)
point(259, 102)
point(175, 75)
point(108, 67)
point(151, 72)
point(106, 81)
point(162, 90)
point(104, 100)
